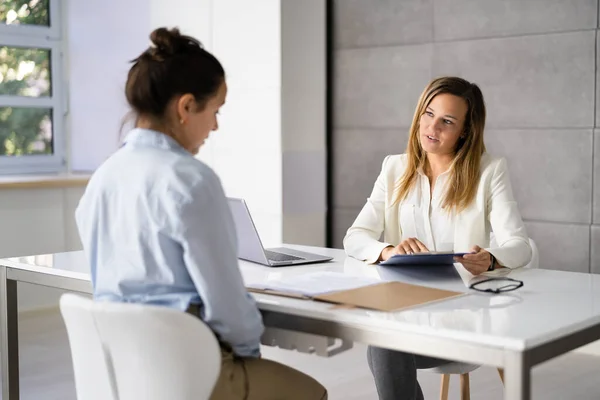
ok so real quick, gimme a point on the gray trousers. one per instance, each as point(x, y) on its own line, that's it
point(395, 373)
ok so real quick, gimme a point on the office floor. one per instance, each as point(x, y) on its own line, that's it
point(46, 371)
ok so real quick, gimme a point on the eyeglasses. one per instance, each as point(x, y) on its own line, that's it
point(496, 285)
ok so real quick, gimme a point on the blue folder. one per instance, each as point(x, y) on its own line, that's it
point(432, 258)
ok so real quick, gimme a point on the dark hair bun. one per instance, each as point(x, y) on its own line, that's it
point(173, 65)
point(169, 42)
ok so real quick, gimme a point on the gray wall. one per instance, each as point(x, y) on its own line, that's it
point(535, 61)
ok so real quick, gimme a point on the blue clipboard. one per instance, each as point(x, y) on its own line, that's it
point(431, 258)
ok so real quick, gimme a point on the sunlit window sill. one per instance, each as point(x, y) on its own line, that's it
point(43, 181)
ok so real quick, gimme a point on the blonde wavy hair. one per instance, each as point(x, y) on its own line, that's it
point(464, 174)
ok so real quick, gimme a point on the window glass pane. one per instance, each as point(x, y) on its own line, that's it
point(24, 72)
point(25, 131)
point(25, 12)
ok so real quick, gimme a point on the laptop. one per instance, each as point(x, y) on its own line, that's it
point(250, 247)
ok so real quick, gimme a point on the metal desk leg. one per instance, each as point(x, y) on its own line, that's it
point(517, 377)
point(9, 338)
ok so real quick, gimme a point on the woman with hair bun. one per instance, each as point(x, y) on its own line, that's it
point(156, 226)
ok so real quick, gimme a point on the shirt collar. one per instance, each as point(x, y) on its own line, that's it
point(141, 137)
point(421, 172)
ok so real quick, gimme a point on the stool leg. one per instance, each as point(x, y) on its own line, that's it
point(444, 387)
point(465, 391)
point(501, 373)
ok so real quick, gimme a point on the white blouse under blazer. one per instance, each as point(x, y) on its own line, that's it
point(493, 209)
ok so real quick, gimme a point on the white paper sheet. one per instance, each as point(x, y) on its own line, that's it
point(314, 283)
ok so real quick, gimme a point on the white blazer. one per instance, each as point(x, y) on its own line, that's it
point(493, 209)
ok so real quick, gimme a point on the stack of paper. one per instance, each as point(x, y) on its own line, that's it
point(314, 283)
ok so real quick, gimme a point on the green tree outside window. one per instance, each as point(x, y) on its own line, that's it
point(25, 72)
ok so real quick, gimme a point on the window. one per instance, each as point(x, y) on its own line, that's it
point(31, 87)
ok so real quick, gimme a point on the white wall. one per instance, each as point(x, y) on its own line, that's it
point(101, 37)
point(38, 221)
point(303, 127)
point(270, 148)
point(246, 150)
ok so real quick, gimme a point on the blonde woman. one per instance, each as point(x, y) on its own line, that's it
point(445, 194)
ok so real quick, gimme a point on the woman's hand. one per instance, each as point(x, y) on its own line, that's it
point(408, 246)
point(476, 263)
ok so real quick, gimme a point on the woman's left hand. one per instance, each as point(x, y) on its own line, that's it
point(476, 262)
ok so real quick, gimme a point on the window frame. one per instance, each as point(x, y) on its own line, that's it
point(44, 38)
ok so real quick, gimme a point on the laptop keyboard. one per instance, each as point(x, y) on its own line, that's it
point(274, 256)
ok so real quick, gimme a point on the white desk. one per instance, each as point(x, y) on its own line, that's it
point(553, 313)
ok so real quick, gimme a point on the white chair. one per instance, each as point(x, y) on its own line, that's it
point(132, 351)
point(463, 369)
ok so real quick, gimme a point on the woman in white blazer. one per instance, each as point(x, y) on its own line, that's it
point(444, 194)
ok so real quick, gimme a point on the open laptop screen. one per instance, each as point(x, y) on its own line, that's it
point(249, 245)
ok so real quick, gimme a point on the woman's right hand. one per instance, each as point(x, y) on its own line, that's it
point(407, 246)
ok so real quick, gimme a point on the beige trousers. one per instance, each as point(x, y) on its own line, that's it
point(261, 379)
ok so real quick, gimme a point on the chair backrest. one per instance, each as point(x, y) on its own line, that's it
point(132, 351)
point(535, 256)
